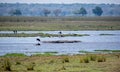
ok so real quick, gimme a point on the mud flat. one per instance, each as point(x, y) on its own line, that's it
point(62, 41)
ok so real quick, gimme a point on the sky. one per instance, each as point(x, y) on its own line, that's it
point(62, 1)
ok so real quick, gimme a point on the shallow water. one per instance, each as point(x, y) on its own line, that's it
point(27, 45)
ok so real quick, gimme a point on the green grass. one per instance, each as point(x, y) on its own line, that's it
point(99, 51)
point(45, 54)
point(44, 19)
point(102, 63)
point(60, 23)
point(27, 35)
point(75, 63)
point(107, 51)
point(6, 64)
point(65, 60)
point(82, 51)
point(51, 52)
point(15, 55)
point(101, 59)
point(92, 57)
point(84, 59)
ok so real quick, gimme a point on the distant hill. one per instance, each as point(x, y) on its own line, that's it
point(8, 9)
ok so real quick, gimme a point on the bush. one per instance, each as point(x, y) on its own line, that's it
point(93, 57)
point(18, 63)
point(31, 66)
point(101, 59)
point(84, 60)
point(51, 61)
point(65, 60)
point(7, 65)
point(63, 68)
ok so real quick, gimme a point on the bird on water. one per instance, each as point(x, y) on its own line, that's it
point(38, 41)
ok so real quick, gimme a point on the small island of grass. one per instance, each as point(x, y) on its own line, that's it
point(40, 34)
point(107, 51)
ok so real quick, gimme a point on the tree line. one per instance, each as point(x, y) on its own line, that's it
point(81, 12)
point(7, 9)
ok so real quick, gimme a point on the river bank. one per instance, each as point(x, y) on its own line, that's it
point(65, 63)
point(60, 23)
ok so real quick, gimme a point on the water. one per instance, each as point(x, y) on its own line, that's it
point(27, 45)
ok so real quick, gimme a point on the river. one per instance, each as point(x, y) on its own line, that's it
point(27, 45)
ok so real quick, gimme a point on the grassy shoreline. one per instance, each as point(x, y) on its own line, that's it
point(75, 63)
point(55, 53)
point(40, 34)
point(60, 23)
point(113, 51)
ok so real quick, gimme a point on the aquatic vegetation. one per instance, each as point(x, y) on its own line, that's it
point(107, 51)
point(15, 55)
point(51, 52)
point(39, 34)
point(83, 51)
point(106, 34)
point(43, 54)
point(62, 41)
